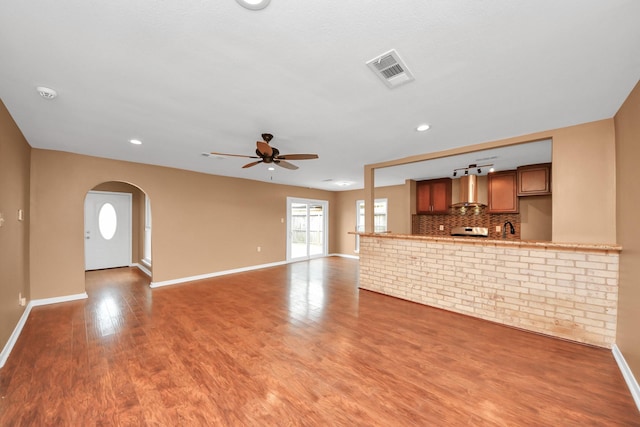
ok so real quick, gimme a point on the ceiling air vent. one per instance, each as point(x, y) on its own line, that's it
point(390, 68)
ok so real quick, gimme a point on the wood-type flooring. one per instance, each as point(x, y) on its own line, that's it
point(296, 345)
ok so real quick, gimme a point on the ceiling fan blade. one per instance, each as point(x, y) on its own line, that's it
point(298, 156)
point(264, 148)
point(285, 165)
point(235, 155)
point(248, 165)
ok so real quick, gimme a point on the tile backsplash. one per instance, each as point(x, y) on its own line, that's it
point(429, 225)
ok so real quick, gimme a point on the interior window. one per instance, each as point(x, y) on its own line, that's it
point(379, 218)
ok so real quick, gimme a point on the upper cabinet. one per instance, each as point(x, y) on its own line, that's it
point(503, 196)
point(534, 180)
point(433, 196)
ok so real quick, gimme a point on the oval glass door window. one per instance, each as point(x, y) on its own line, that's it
point(107, 221)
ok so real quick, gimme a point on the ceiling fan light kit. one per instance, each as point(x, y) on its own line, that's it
point(268, 154)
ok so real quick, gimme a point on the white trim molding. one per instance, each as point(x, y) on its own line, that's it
point(142, 268)
point(632, 383)
point(14, 336)
point(346, 256)
point(215, 274)
point(232, 271)
point(4, 355)
point(57, 300)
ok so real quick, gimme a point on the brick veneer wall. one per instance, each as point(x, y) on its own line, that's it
point(564, 293)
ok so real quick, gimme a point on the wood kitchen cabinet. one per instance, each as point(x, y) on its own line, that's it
point(433, 196)
point(534, 180)
point(503, 197)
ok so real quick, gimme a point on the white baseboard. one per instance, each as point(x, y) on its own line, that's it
point(142, 268)
point(216, 274)
point(56, 300)
point(25, 315)
point(632, 383)
point(232, 271)
point(346, 256)
point(14, 336)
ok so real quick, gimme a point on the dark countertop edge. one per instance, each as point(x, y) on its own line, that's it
point(482, 241)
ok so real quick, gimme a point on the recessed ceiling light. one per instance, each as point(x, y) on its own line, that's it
point(46, 92)
point(343, 183)
point(271, 168)
point(423, 127)
point(254, 4)
point(135, 141)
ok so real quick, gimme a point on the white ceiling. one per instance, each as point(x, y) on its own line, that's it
point(188, 77)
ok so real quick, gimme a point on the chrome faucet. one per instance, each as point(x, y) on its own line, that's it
point(512, 229)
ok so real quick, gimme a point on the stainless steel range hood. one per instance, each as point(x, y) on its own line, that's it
point(468, 193)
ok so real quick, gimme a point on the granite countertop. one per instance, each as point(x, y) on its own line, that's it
point(483, 241)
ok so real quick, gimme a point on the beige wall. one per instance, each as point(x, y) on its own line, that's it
point(137, 215)
point(536, 218)
point(584, 170)
point(627, 125)
point(201, 223)
point(14, 234)
point(398, 215)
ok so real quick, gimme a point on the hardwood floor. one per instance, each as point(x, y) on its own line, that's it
point(293, 345)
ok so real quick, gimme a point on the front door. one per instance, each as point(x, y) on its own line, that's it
point(107, 222)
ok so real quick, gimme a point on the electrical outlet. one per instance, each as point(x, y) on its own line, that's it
point(20, 215)
point(497, 229)
point(441, 227)
point(22, 300)
point(259, 249)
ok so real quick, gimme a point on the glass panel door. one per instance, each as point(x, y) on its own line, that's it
point(306, 227)
point(316, 229)
point(298, 241)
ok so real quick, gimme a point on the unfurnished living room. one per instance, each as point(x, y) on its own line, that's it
point(266, 212)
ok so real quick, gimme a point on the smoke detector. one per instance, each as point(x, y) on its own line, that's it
point(46, 93)
point(391, 69)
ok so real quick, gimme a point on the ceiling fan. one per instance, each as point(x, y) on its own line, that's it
point(269, 154)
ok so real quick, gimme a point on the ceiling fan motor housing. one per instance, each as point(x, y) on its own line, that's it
point(268, 159)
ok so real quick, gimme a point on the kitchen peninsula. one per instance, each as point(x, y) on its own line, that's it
point(565, 290)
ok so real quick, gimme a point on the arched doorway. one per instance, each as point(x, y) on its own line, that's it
point(139, 238)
